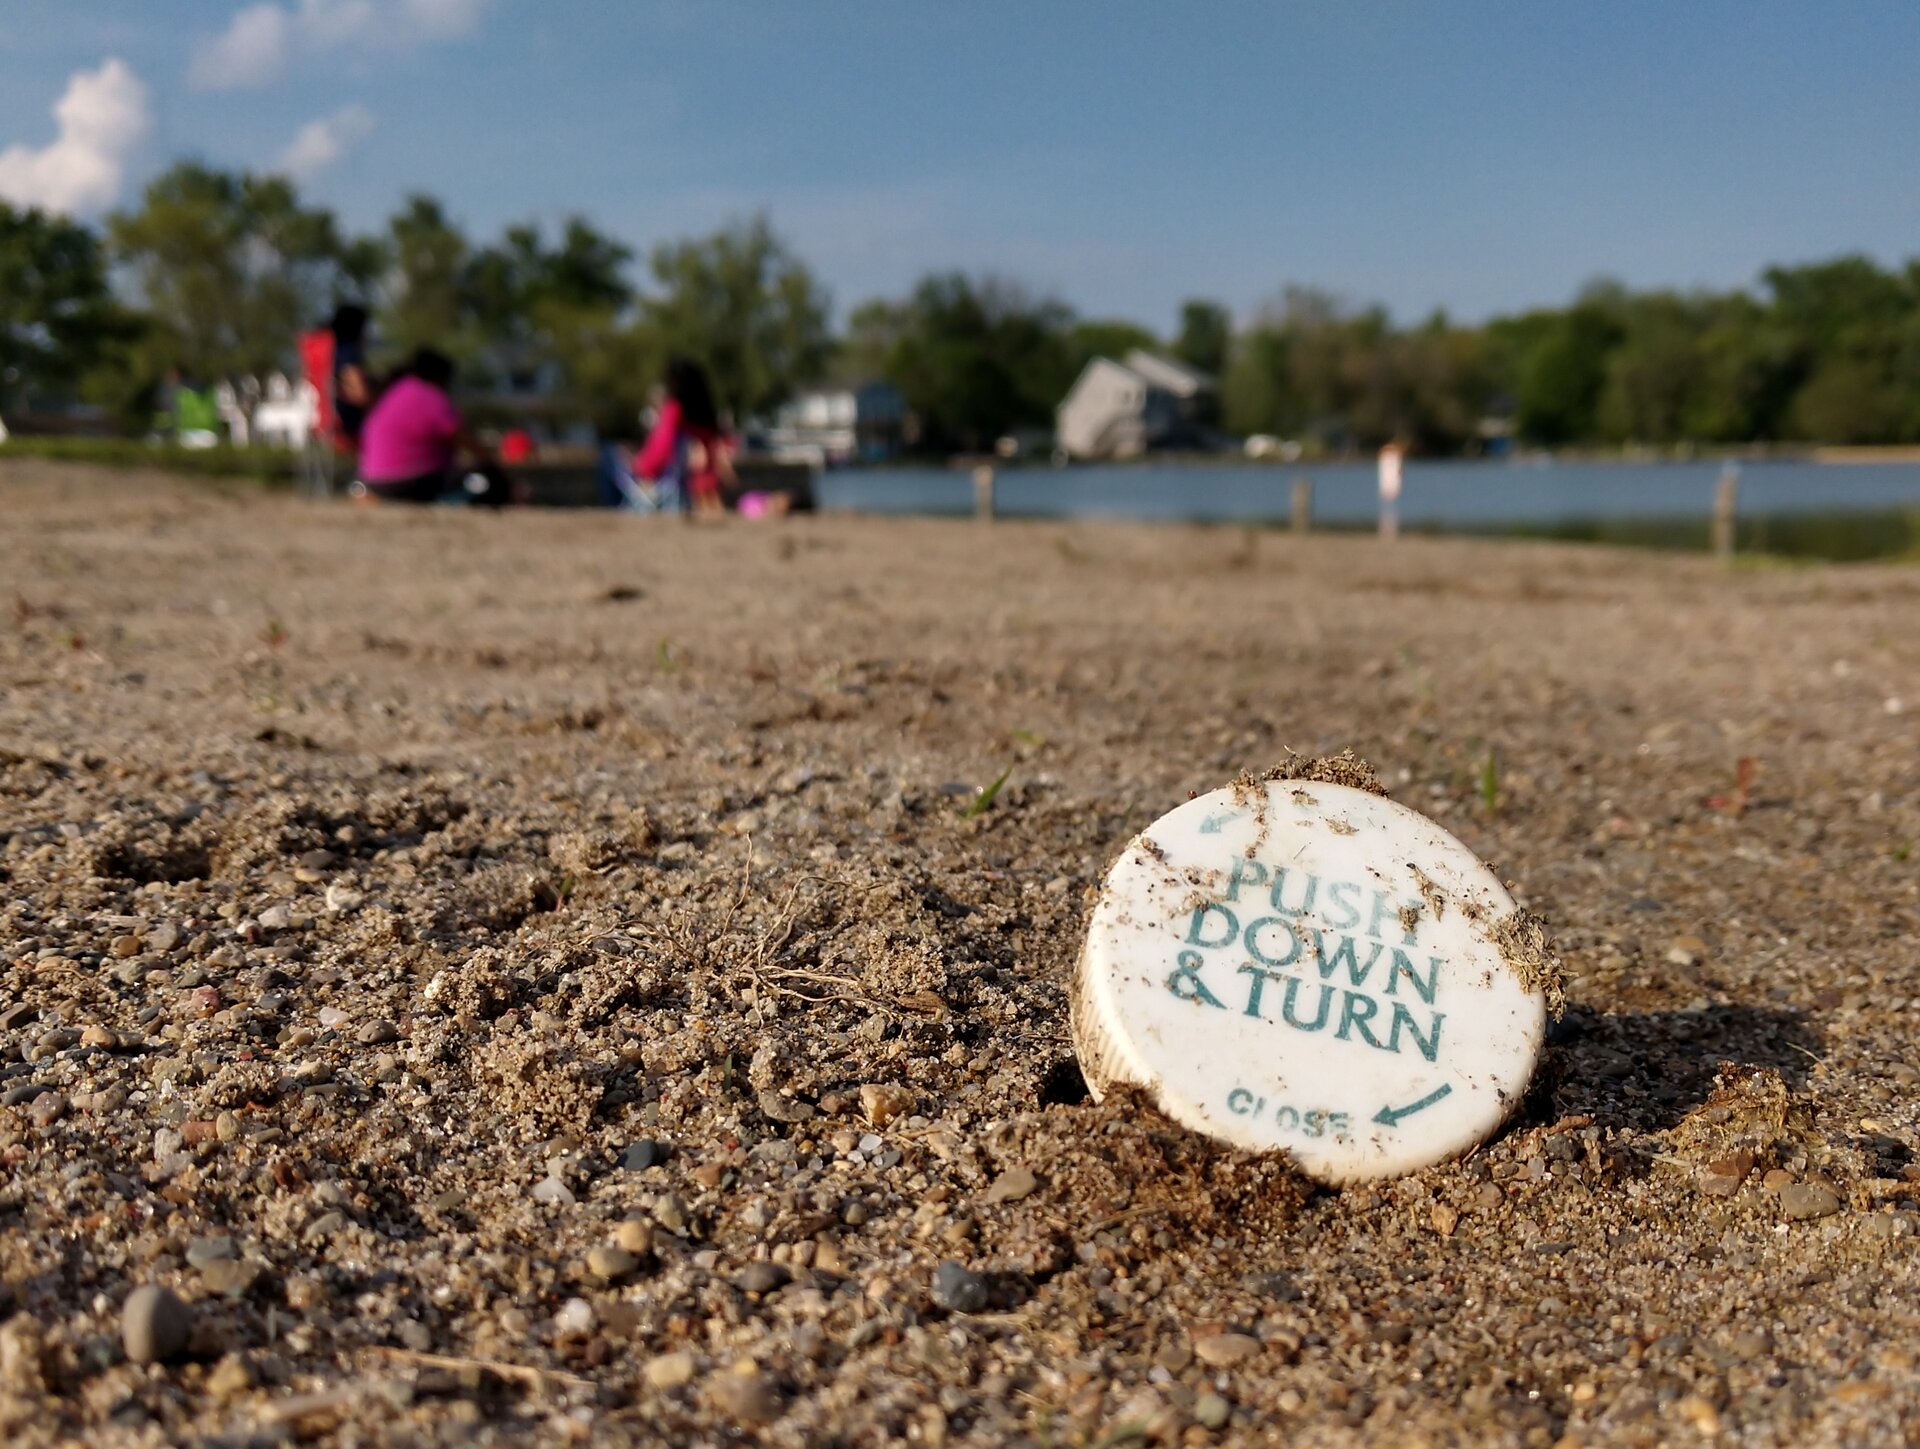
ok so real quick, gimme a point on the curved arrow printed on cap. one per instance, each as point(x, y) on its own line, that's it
point(1391, 1116)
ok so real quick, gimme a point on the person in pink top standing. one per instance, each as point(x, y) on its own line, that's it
point(412, 440)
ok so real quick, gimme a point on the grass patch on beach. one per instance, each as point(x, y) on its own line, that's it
point(272, 467)
point(1886, 535)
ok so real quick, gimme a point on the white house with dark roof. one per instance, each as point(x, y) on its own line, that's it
point(1121, 409)
point(835, 424)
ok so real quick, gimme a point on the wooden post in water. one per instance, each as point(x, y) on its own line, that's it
point(1726, 509)
point(983, 493)
point(1303, 504)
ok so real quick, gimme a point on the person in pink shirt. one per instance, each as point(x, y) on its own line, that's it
point(412, 440)
point(686, 446)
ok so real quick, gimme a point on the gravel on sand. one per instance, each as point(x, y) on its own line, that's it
point(537, 978)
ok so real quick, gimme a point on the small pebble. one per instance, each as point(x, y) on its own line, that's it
point(746, 1398)
point(325, 1226)
point(785, 1109)
point(1686, 951)
point(230, 1277)
point(610, 1261)
point(1723, 1176)
point(1223, 1350)
point(1012, 1185)
point(642, 1155)
point(202, 1251)
point(575, 1319)
point(1804, 1200)
point(231, 1377)
point(763, 1277)
point(1211, 1411)
point(883, 1103)
point(47, 1109)
point(670, 1370)
point(154, 1325)
point(958, 1290)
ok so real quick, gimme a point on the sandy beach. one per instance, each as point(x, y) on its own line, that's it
point(535, 978)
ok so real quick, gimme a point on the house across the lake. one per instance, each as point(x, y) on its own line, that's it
point(1123, 409)
point(838, 424)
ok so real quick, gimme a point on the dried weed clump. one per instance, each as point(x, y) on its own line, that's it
point(1345, 768)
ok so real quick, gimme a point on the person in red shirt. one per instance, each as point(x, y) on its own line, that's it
point(516, 445)
point(411, 442)
point(686, 445)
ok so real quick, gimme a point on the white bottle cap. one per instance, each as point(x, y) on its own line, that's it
point(1312, 968)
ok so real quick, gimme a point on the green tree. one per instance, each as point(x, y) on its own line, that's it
point(58, 318)
point(977, 359)
point(581, 307)
point(1652, 371)
point(1087, 340)
point(1442, 386)
point(1206, 336)
point(427, 299)
point(1562, 371)
point(522, 313)
point(865, 349)
point(1749, 369)
point(1851, 323)
point(744, 305)
point(230, 269)
point(1300, 369)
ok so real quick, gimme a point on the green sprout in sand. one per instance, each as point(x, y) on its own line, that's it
point(983, 801)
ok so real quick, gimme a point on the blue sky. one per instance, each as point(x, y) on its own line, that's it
point(1477, 156)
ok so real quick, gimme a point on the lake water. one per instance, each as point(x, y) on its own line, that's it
point(1530, 496)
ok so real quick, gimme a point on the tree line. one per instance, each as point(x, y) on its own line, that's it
point(216, 273)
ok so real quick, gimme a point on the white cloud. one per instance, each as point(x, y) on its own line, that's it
point(444, 19)
point(333, 23)
point(261, 39)
point(101, 118)
point(321, 143)
point(252, 51)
